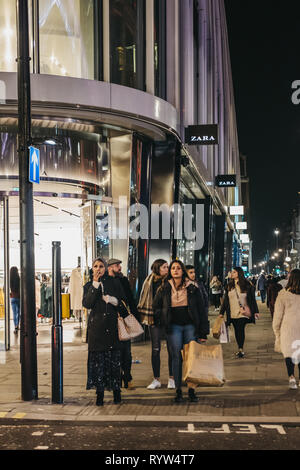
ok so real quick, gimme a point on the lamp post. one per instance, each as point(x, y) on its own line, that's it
point(276, 231)
point(28, 352)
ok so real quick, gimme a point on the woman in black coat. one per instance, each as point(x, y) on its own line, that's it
point(240, 293)
point(179, 307)
point(104, 295)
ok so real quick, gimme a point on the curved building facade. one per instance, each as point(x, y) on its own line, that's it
point(114, 85)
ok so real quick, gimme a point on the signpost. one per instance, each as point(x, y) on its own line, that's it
point(34, 165)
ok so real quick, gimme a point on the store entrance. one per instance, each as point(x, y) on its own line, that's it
point(64, 218)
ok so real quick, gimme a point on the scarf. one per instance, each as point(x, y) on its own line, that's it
point(145, 303)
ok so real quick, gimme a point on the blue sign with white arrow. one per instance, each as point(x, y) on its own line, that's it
point(34, 165)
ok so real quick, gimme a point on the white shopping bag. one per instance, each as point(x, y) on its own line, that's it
point(224, 336)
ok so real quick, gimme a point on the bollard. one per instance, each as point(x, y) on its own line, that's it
point(57, 333)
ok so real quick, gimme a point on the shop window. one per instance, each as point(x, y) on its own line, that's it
point(127, 43)
point(160, 48)
point(66, 34)
point(8, 36)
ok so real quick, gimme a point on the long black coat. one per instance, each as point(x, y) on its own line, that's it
point(102, 329)
point(251, 302)
point(196, 309)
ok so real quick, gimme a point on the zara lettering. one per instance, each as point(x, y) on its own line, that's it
point(204, 138)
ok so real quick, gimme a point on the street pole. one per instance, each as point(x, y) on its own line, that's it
point(28, 353)
point(57, 333)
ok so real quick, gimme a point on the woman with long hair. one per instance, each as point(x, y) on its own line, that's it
point(286, 325)
point(179, 307)
point(240, 306)
point(103, 295)
point(216, 291)
point(14, 279)
point(152, 283)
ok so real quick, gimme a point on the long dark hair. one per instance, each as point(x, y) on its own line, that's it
point(14, 279)
point(293, 284)
point(156, 265)
point(243, 283)
point(184, 273)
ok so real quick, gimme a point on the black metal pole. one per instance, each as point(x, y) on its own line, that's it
point(28, 354)
point(57, 333)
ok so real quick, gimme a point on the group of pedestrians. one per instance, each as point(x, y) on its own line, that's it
point(171, 304)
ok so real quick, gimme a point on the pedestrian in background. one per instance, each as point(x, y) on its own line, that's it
point(103, 296)
point(178, 306)
point(216, 291)
point(261, 287)
point(191, 272)
point(14, 279)
point(286, 325)
point(239, 296)
point(114, 269)
point(152, 283)
point(272, 292)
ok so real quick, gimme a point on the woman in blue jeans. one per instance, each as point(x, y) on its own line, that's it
point(180, 308)
point(14, 280)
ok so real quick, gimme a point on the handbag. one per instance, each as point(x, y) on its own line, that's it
point(224, 335)
point(244, 310)
point(129, 327)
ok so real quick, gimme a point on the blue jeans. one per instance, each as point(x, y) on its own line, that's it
point(178, 336)
point(263, 295)
point(15, 305)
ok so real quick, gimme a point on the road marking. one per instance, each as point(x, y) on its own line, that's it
point(3, 413)
point(37, 433)
point(59, 434)
point(41, 448)
point(19, 415)
point(274, 426)
point(250, 429)
point(224, 429)
point(191, 429)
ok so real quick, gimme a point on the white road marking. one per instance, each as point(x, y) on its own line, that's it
point(41, 448)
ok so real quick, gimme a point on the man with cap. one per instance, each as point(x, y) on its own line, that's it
point(114, 269)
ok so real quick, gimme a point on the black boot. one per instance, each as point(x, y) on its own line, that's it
point(100, 398)
point(179, 397)
point(117, 396)
point(192, 396)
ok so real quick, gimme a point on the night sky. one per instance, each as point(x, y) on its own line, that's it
point(264, 39)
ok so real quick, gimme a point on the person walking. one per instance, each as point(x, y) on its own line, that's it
point(152, 283)
point(114, 268)
point(103, 296)
point(216, 291)
point(240, 306)
point(178, 306)
point(286, 325)
point(261, 287)
point(14, 279)
point(272, 292)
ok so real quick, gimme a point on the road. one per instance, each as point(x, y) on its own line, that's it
point(171, 438)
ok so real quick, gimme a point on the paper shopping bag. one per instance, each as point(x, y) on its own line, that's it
point(203, 365)
point(216, 329)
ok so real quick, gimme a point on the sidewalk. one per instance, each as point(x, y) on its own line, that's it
point(256, 388)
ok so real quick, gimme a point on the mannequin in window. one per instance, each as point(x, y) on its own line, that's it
point(75, 289)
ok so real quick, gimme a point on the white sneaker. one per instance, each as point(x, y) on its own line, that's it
point(155, 384)
point(171, 383)
point(293, 384)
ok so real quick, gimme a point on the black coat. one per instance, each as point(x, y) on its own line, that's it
point(251, 302)
point(129, 296)
point(196, 309)
point(102, 329)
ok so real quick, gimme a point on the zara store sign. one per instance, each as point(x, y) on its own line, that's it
point(202, 135)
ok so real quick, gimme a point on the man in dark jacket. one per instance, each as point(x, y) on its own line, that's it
point(114, 269)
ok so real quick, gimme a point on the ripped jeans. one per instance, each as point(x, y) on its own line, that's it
point(156, 334)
